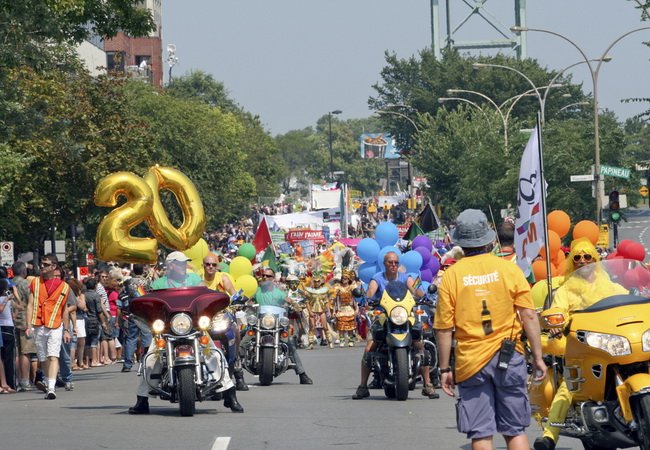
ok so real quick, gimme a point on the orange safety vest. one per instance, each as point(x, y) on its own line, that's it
point(48, 309)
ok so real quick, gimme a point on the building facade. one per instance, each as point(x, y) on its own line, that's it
point(139, 56)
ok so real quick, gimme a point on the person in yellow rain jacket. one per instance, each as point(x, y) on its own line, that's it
point(577, 292)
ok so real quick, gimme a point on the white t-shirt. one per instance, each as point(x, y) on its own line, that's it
point(5, 316)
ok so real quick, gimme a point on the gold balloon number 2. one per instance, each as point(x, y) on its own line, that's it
point(114, 241)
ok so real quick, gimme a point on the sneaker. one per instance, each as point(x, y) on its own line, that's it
point(544, 443)
point(50, 395)
point(304, 379)
point(362, 392)
point(41, 386)
point(331, 345)
point(126, 369)
point(429, 391)
point(351, 344)
point(341, 344)
point(69, 386)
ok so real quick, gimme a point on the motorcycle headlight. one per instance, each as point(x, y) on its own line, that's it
point(181, 324)
point(204, 323)
point(284, 322)
point(645, 340)
point(611, 343)
point(158, 326)
point(399, 315)
point(268, 321)
point(251, 319)
point(220, 323)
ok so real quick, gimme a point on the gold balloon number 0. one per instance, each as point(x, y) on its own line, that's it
point(114, 240)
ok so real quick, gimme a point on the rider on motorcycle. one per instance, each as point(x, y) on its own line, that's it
point(375, 290)
point(575, 294)
point(222, 283)
point(269, 294)
point(177, 276)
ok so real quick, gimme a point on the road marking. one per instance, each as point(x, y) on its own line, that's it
point(221, 443)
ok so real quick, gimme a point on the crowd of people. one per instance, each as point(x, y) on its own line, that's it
point(53, 324)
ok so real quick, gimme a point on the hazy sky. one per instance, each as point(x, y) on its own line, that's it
point(291, 61)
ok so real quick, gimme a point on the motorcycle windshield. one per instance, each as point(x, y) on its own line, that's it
point(603, 285)
point(268, 309)
point(396, 290)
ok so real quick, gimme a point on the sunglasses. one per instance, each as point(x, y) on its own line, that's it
point(268, 275)
point(393, 263)
point(44, 264)
point(586, 257)
point(210, 264)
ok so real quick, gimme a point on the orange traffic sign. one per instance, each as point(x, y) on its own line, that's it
point(643, 190)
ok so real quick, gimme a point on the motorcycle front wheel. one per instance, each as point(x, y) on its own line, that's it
point(642, 416)
point(401, 374)
point(186, 390)
point(266, 363)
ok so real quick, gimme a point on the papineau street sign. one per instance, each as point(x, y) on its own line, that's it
point(610, 171)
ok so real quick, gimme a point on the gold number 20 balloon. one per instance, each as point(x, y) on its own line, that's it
point(114, 240)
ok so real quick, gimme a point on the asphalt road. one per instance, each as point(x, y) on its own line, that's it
point(285, 415)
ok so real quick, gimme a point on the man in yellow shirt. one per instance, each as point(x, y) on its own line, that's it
point(485, 301)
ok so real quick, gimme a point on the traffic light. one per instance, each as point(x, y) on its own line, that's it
point(614, 207)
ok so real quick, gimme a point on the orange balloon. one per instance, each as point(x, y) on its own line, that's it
point(559, 221)
point(554, 242)
point(561, 267)
point(560, 257)
point(586, 229)
point(542, 252)
point(539, 269)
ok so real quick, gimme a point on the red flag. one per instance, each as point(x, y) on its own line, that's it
point(262, 237)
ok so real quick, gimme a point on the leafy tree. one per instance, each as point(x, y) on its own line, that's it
point(262, 158)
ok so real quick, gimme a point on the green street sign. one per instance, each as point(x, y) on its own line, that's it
point(610, 171)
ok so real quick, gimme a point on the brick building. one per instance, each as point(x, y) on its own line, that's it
point(139, 56)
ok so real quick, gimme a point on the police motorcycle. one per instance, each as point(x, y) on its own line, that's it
point(266, 352)
point(394, 331)
point(192, 367)
point(424, 313)
point(602, 352)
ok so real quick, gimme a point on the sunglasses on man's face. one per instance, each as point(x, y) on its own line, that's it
point(210, 264)
point(392, 263)
point(584, 257)
point(269, 275)
point(46, 264)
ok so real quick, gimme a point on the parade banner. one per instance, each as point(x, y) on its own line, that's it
point(529, 223)
point(316, 236)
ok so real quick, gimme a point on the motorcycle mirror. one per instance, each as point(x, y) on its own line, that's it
point(432, 289)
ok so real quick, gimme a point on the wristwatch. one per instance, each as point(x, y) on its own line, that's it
point(447, 370)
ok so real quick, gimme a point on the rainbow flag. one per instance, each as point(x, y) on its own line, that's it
point(139, 291)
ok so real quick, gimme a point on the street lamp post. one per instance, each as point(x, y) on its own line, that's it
point(172, 59)
point(600, 185)
point(329, 122)
point(497, 107)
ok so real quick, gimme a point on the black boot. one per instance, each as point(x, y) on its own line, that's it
point(230, 400)
point(304, 379)
point(239, 381)
point(141, 406)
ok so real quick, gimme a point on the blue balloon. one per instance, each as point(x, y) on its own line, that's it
point(382, 253)
point(367, 249)
point(367, 271)
point(411, 260)
point(386, 233)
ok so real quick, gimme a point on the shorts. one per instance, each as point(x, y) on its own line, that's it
point(494, 400)
point(24, 346)
point(48, 342)
point(109, 333)
point(81, 328)
point(92, 340)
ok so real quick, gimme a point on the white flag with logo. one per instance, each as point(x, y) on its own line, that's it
point(529, 223)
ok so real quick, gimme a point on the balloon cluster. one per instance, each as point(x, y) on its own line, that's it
point(240, 269)
point(416, 262)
